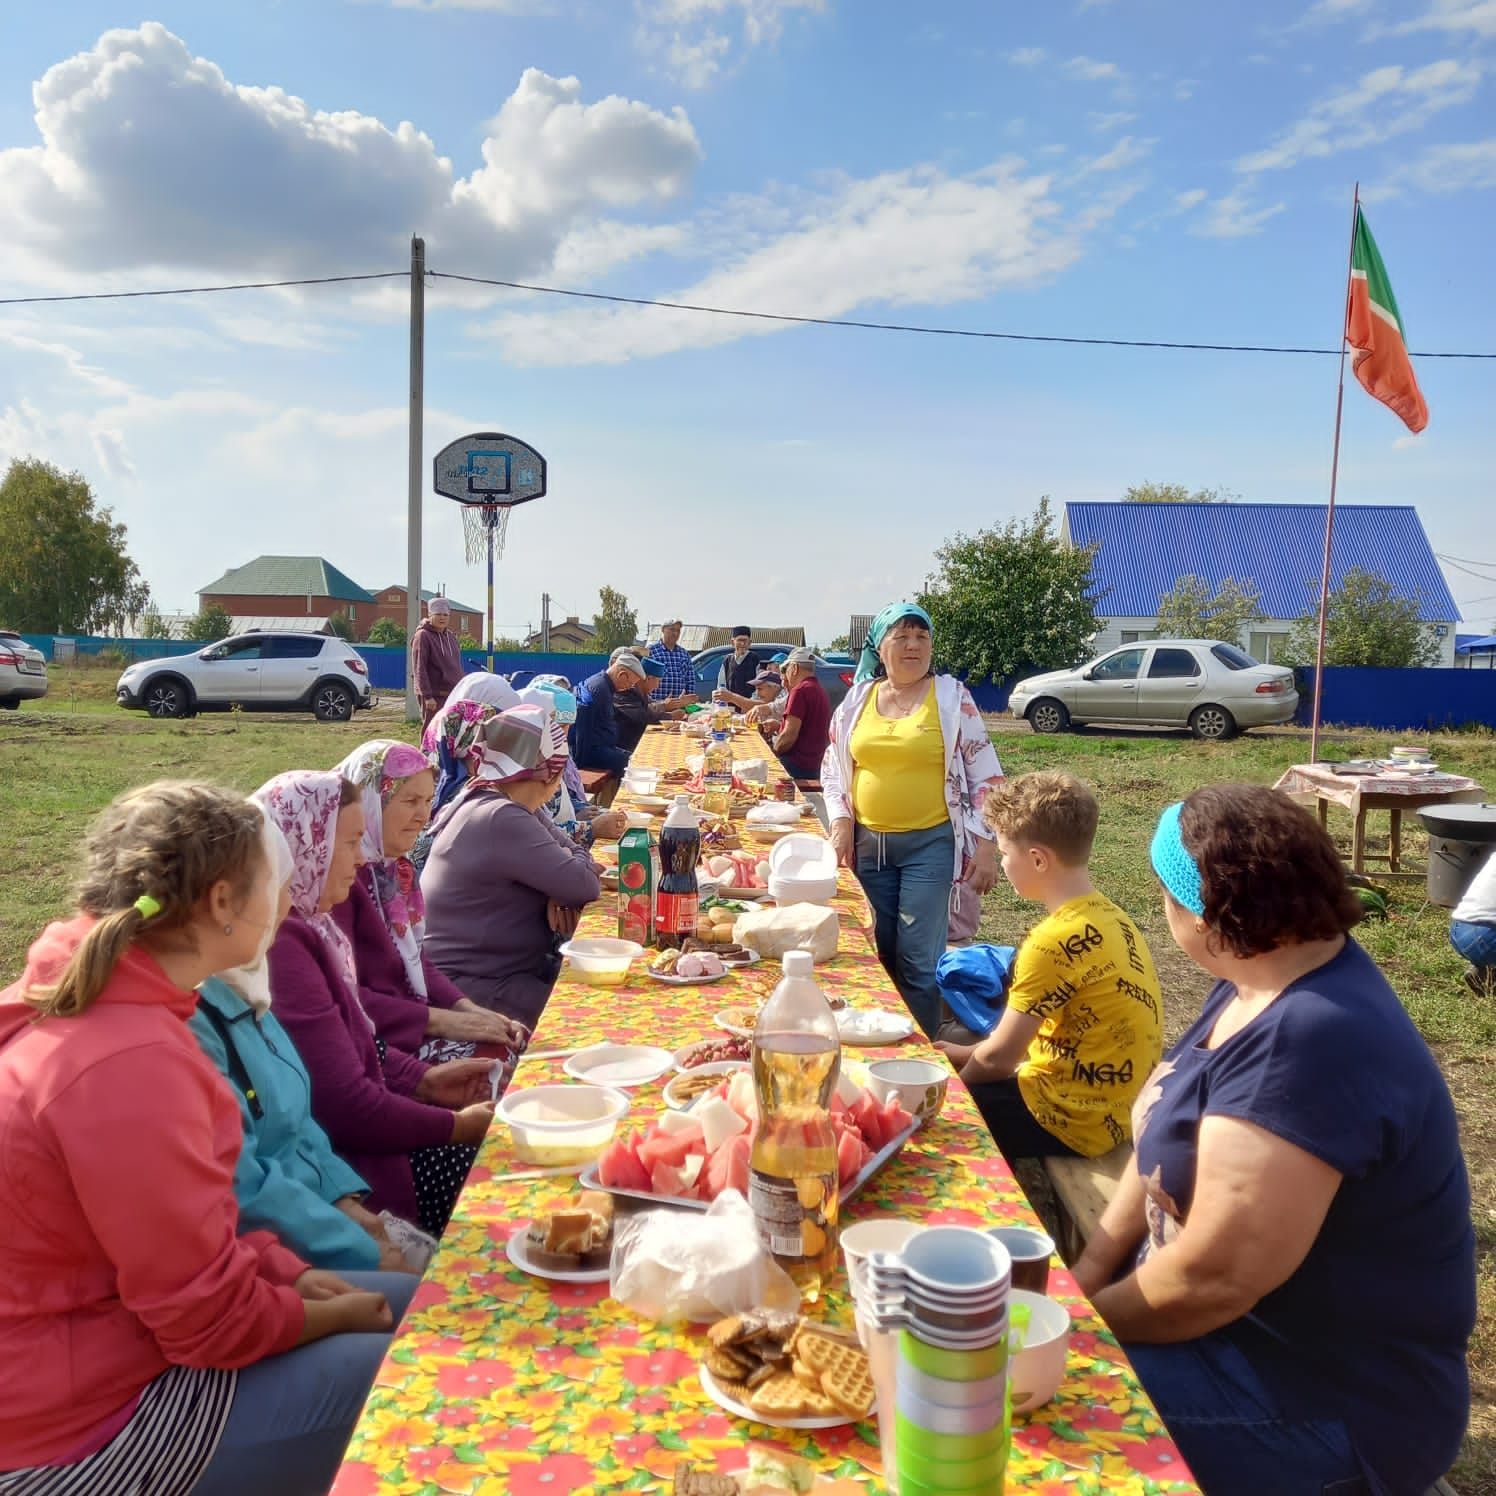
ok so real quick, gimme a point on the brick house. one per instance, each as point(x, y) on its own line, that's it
point(291, 587)
point(389, 602)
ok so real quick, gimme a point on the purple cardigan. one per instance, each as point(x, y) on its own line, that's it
point(399, 1012)
point(365, 1109)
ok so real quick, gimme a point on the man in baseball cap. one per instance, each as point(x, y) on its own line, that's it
point(806, 723)
point(633, 706)
point(595, 740)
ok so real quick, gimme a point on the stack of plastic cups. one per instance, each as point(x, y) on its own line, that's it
point(946, 1296)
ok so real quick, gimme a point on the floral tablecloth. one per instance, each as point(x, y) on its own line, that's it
point(1351, 790)
point(503, 1383)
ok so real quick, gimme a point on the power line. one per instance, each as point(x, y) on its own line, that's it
point(939, 332)
point(311, 280)
point(1461, 566)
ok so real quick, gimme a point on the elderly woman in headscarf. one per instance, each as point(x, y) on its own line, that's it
point(907, 770)
point(412, 1004)
point(288, 1179)
point(409, 1128)
point(503, 884)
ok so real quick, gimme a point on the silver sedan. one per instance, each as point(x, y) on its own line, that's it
point(1210, 687)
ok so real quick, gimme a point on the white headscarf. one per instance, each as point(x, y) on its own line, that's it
point(489, 690)
point(252, 980)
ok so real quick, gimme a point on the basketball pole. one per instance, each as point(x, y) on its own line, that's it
point(414, 468)
point(491, 519)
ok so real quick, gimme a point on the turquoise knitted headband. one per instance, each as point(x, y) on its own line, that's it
point(1176, 869)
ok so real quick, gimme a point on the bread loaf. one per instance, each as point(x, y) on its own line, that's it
point(799, 927)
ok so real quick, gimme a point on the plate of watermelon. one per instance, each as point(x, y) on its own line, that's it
point(687, 1158)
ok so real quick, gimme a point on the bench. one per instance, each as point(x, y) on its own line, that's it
point(1083, 1188)
point(600, 785)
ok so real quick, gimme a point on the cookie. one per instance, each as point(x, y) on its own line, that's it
point(726, 1331)
point(845, 1377)
point(780, 1397)
point(725, 1366)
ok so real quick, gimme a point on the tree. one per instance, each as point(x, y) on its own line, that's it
point(615, 622)
point(212, 623)
point(1366, 623)
point(1187, 612)
point(1176, 493)
point(1011, 599)
point(64, 568)
point(840, 643)
point(466, 641)
point(387, 632)
point(341, 626)
point(153, 625)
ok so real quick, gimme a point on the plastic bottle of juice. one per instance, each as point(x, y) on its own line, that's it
point(678, 900)
point(716, 776)
point(792, 1183)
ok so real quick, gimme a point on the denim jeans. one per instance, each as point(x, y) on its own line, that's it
point(1240, 1435)
point(907, 878)
point(1476, 943)
point(293, 1414)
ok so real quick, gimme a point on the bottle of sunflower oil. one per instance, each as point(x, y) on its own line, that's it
point(792, 1182)
point(716, 776)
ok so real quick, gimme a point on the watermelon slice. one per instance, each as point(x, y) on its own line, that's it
point(666, 1179)
point(664, 1148)
point(619, 1168)
point(895, 1119)
point(848, 1157)
point(738, 1150)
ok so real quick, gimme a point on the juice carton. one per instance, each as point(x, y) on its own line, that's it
point(638, 879)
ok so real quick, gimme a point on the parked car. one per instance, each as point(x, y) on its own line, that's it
point(259, 672)
point(1214, 689)
point(836, 678)
point(23, 670)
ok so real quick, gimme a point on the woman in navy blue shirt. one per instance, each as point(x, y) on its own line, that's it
point(1291, 1265)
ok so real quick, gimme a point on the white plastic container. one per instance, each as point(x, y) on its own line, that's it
point(559, 1126)
point(1038, 1367)
point(802, 870)
point(601, 961)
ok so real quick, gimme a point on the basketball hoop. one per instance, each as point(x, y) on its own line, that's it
point(489, 474)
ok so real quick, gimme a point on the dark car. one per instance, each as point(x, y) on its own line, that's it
point(836, 678)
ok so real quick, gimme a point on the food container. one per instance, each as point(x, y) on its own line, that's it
point(601, 961)
point(1038, 1368)
point(920, 1085)
point(638, 820)
point(558, 1126)
point(802, 870)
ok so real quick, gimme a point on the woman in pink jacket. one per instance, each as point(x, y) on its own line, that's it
point(144, 1344)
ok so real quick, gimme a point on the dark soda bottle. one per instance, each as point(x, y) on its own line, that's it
point(678, 900)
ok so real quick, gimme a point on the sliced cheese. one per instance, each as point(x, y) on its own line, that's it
point(718, 1122)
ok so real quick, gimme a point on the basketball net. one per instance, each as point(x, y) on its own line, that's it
point(477, 521)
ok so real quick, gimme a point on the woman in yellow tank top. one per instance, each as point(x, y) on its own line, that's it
point(908, 768)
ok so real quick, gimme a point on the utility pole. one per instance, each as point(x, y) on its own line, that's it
point(414, 466)
point(545, 622)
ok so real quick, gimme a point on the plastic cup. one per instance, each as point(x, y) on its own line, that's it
point(950, 1365)
point(956, 1260)
point(882, 1348)
point(944, 1393)
point(1030, 1251)
point(977, 1420)
point(947, 1477)
point(930, 1447)
point(880, 1234)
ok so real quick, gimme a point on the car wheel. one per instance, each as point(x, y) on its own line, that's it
point(10, 703)
point(332, 703)
point(1048, 715)
point(166, 698)
point(1212, 723)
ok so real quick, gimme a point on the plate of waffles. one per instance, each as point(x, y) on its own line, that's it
point(786, 1372)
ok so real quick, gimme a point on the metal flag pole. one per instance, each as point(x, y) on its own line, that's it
point(1324, 576)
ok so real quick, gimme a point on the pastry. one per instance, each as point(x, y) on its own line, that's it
point(574, 1236)
point(690, 1480)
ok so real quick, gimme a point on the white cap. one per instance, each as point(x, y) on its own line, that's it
point(799, 964)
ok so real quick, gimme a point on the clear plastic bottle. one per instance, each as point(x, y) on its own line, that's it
point(678, 900)
point(716, 776)
point(793, 1185)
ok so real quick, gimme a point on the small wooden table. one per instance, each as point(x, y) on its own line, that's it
point(1360, 793)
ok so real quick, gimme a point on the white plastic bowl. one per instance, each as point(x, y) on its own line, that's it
point(819, 890)
point(601, 961)
point(1039, 1367)
point(559, 1126)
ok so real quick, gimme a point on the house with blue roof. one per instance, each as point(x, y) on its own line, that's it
point(1142, 550)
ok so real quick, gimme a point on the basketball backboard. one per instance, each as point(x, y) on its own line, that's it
point(489, 468)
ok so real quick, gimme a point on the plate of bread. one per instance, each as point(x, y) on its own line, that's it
point(572, 1242)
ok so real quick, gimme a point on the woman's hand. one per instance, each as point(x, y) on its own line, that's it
point(562, 920)
point(609, 826)
point(392, 1259)
point(842, 841)
point(353, 1208)
point(350, 1312)
point(470, 1125)
point(456, 1084)
point(979, 871)
point(476, 1025)
point(316, 1283)
point(957, 1054)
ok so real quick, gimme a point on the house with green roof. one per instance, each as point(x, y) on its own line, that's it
point(291, 587)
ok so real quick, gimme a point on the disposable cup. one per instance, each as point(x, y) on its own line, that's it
point(908, 1486)
point(954, 1365)
point(1030, 1251)
point(880, 1234)
point(975, 1420)
point(882, 1348)
point(924, 1445)
point(985, 1473)
point(896, 1315)
point(945, 1393)
point(955, 1260)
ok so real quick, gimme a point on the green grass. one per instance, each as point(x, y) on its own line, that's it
point(64, 759)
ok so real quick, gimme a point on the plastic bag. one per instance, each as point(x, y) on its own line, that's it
point(411, 1242)
point(669, 1266)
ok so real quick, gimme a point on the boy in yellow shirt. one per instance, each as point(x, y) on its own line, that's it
point(1081, 1030)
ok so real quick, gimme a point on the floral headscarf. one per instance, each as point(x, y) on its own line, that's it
point(526, 742)
point(304, 805)
point(252, 980)
point(480, 686)
point(379, 769)
point(452, 742)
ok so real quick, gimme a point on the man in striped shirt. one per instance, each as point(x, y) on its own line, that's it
point(679, 679)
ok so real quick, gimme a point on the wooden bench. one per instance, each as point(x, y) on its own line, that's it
point(600, 785)
point(1083, 1188)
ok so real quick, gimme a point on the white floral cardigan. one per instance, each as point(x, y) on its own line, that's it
point(971, 762)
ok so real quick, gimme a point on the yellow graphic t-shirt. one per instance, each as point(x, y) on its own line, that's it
point(898, 779)
point(1086, 971)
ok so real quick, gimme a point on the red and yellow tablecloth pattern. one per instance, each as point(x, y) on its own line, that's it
point(503, 1383)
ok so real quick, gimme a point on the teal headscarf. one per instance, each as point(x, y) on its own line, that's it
point(867, 664)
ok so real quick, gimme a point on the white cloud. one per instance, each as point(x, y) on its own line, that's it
point(693, 38)
point(279, 331)
point(1381, 104)
point(1456, 167)
point(1327, 12)
point(1091, 70)
point(150, 159)
point(596, 248)
point(1184, 89)
point(1027, 57)
point(1183, 201)
point(109, 446)
point(1127, 152)
point(1103, 124)
point(503, 7)
point(906, 238)
point(1407, 441)
point(1233, 216)
point(1456, 16)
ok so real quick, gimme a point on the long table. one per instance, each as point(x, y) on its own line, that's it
point(502, 1383)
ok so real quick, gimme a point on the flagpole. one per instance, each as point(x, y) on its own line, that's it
point(1324, 575)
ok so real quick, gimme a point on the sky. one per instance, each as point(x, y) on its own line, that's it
point(1136, 169)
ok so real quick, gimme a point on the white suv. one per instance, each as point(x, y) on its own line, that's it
point(259, 672)
point(23, 670)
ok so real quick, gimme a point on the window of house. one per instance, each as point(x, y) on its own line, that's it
point(1137, 636)
point(1172, 664)
point(1267, 646)
point(1124, 665)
